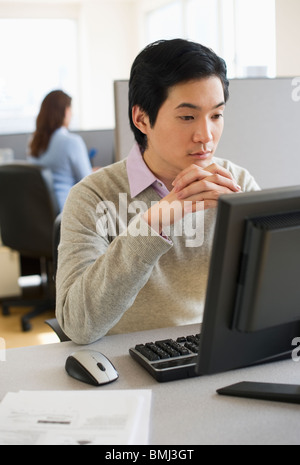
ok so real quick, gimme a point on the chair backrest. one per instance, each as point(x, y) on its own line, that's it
point(56, 240)
point(28, 209)
point(53, 323)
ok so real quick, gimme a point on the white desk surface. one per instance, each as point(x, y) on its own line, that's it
point(185, 412)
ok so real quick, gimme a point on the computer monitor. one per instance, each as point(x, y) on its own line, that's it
point(252, 308)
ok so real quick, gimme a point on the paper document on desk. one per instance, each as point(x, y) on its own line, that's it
point(75, 418)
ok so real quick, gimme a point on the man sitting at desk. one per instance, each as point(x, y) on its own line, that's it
point(136, 236)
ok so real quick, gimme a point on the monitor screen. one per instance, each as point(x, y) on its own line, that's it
point(252, 308)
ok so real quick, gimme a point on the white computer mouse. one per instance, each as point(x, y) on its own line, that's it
point(91, 367)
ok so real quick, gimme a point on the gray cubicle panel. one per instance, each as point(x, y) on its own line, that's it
point(262, 129)
point(18, 143)
point(123, 135)
point(100, 141)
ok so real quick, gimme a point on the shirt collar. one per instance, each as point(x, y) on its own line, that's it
point(140, 177)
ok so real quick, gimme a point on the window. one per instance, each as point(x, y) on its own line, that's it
point(241, 31)
point(255, 42)
point(203, 22)
point(159, 25)
point(36, 56)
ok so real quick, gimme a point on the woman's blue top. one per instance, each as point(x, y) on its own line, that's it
point(67, 158)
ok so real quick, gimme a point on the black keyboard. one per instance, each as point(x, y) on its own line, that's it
point(168, 360)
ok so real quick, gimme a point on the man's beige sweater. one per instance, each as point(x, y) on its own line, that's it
point(115, 274)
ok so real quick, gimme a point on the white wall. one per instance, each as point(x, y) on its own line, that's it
point(108, 45)
point(288, 37)
point(36, 9)
point(111, 33)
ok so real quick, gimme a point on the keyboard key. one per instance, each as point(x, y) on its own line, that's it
point(169, 359)
point(192, 347)
point(193, 339)
point(169, 348)
point(149, 354)
point(166, 345)
point(157, 350)
point(179, 348)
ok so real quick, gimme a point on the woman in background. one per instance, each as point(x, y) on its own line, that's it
point(53, 146)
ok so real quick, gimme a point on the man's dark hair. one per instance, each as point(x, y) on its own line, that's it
point(164, 64)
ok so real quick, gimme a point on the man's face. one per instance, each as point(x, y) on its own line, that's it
point(188, 128)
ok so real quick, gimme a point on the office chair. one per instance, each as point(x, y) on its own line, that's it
point(28, 209)
point(52, 322)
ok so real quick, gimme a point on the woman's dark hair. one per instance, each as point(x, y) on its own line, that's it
point(50, 118)
point(162, 65)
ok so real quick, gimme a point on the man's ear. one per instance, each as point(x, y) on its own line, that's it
point(140, 119)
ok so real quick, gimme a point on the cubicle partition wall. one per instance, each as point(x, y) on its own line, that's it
point(99, 142)
point(262, 129)
point(123, 135)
